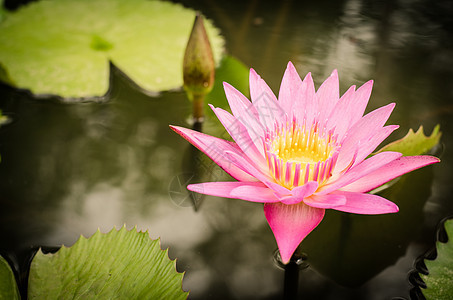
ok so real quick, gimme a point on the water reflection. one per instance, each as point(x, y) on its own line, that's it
point(68, 169)
point(99, 165)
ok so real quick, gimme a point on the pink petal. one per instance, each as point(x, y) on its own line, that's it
point(361, 98)
point(291, 224)
point(352, 105)
point(307, 109)
point(264, 100)
point(305, 190)
point(300, 192)
point(328, 95)
point(363, 148)
point(255, 193)
point(366, 204)
point(238, 102)
point(247, 167)
point(290, 89)
point(367, 166)
point(390, 171)
point(361, 132)
point(325, 201)
point(250, 191)
point(241, 136)
point(336, 120)
point(244, 111)
point(215, 148)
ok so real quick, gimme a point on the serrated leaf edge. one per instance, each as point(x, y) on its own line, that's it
point(123, 228)
point(420, 132)
point(416, 275)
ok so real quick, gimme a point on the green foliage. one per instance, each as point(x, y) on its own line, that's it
point(63, 47)
point(8, 286)
point(415, 143)
point(439, 282)
point(117, 265)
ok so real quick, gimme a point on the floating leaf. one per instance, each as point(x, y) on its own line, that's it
point(415, 143)
point(439, 281)
point(117, 265)
point(64, 47)
point(8, 286)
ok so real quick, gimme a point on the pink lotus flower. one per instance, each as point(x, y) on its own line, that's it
point(303, 153)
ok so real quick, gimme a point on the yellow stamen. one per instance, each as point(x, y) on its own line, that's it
point(297, 154)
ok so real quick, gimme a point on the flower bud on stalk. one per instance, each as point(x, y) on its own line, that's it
point(198, 67)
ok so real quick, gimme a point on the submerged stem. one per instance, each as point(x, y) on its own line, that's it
point(291, 287)
point(291, 281)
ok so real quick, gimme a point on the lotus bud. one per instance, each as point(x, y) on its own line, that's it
point(198, 67)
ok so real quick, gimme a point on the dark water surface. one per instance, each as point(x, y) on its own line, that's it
point(70, 168)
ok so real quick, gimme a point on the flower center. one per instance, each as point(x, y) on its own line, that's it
point(298, 154)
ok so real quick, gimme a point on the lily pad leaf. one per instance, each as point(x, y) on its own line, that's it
point(8, 286)
point(118, 265)
point(64, 47)
point(439, 281)
point(415, 143)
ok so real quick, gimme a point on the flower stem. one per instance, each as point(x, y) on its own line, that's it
point(198, 113)
point(290, 287)
point(297, 262)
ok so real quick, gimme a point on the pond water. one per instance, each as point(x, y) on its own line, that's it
point(70, 168)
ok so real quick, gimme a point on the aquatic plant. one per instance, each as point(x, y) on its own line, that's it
point(64, 47)
point(120, 264)
point(301, 154)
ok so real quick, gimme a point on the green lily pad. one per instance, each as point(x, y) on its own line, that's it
point(8, 286)
point(415, 143)
point(64, 47)
point(439, 281)
point(118, 265)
